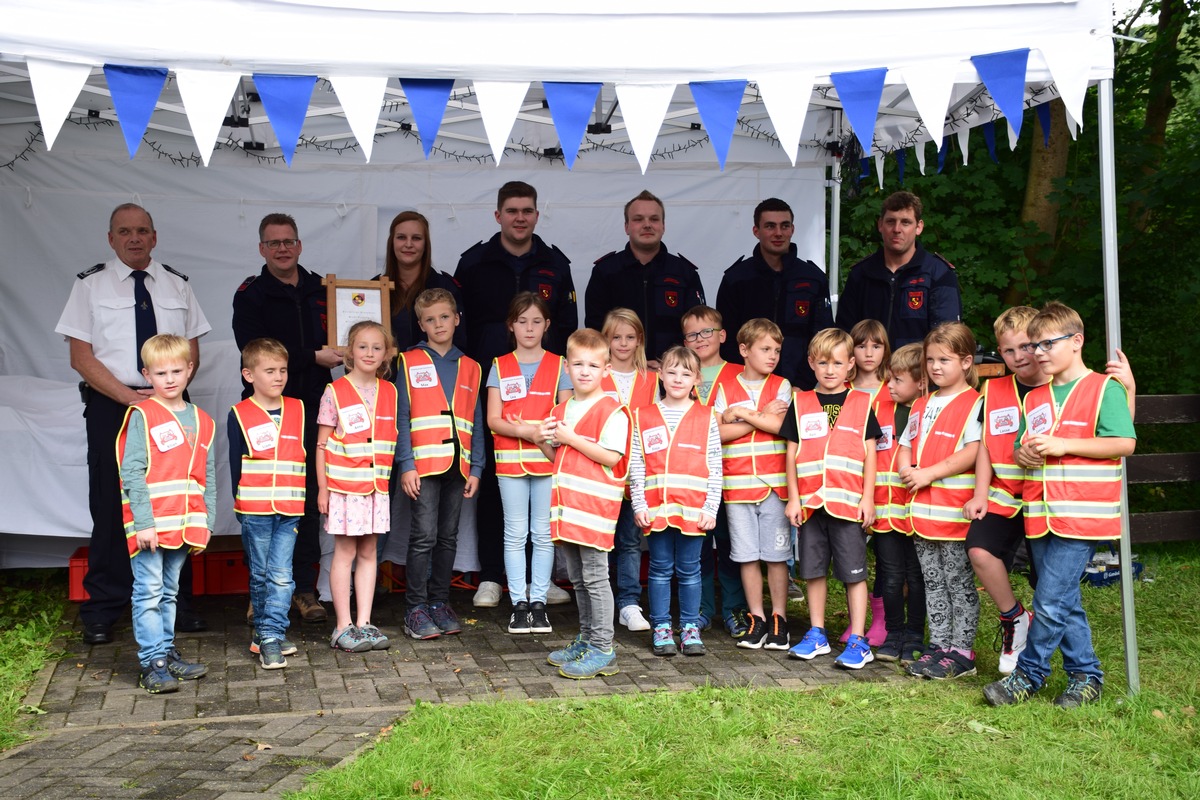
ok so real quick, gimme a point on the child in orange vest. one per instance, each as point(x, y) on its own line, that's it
point(1074, 432)
point(440, 457)
point(937, 465)
point(831, 434)
point(588, 437)
point(356, 444)
point(629, 383)
point(267, 470)
point(169, 502)
point(523, 387)
point(675, 484)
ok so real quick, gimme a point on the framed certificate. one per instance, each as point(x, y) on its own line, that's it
point(355, 301)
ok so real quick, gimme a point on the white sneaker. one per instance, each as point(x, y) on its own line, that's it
point(1014, 643)
point(556, 596)
point(488, 595)
point(633, 619)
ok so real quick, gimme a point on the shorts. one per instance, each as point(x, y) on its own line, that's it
point(759, 531)
point(997, 535)
point(824, 537)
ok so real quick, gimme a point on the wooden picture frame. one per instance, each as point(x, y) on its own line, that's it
point(363, 300)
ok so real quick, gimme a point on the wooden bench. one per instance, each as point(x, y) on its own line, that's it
point(1165, 526)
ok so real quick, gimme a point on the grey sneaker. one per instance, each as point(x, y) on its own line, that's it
point(270, 654)
point(155, 678)
point(348, 639)
point(375, 636)
point(1016, 687)
point(184, 670)
point(569, 653)
point(591, 663)
point(445, 618)
point(285, 647)
point(419, 625)
point(1081, 689)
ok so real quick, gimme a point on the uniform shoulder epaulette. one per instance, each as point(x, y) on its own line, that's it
point(944, 260)
point(609, 254)
point(687, 261)
point(90, 271)
point(561, 254)
point(741, 260)
point(470, 249)
point(247, 282)
point(174, 271)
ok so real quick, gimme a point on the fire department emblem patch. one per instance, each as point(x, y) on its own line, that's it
point(671, 298)
point(802, 307)
point(544, 290)
point(916, 300)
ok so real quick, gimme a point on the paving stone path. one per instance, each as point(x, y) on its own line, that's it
point(244, 732)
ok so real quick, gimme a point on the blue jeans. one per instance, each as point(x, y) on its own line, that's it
point(526, 503)
point(269, 541)
point(155, 587)
point(673, 554)
point(1059, 621)
point(627, 555)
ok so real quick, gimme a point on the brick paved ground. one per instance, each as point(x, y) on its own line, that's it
point(101, 736)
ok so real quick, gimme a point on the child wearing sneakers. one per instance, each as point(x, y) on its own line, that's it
point(266, 469)
point(897, 569)
point(1074, 432)
point(750, 409)
point(831, 433)
point(675, 485)
point(588, 438)
point(937, 465)
point(169, 504)
point(440, 457)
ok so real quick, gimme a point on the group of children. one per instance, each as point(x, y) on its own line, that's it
point(594, 450)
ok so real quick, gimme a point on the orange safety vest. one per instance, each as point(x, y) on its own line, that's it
point(676, 467)
point(433, 429)
point(753, 465)
point(728, 373)
point(517, 457)
point(891, 496)
point(829, 463)
point(176, 476)
point(1001, 420)
point(643, 392)
point(359, 461)
point(585, 497)
point(936, 512)
point(273, 468)
point(1072, 496)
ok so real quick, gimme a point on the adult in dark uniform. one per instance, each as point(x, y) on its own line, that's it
point(490, 274)
point(904, 286)
point(113, 308)
point(773, 282)
point(409, 263)
point(287, 302)
point(645, 277)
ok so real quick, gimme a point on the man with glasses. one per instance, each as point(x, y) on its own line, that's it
point(773, 282)
point(286, 302)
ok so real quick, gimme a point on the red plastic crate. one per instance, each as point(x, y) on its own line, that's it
point(225, 572)
point(77, 569)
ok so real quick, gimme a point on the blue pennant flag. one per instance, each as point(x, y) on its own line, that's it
point(901, 160)
point(1043, 114)
point(135, 92)
point(718, 103)
point(285, 99)
point(1004, 76)
point(989, 137)
point(427, 97)
point(571, 105)
point(860, 92)
point(942, 151)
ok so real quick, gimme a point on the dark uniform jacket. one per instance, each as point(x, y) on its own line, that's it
point(405, 330)
point(909, 302)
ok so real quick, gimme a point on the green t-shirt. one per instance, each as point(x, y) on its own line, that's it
point(1114, 420)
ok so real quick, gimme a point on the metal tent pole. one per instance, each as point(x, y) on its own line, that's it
point(835, 214)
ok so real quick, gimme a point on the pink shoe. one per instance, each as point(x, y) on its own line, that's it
point(877, 633)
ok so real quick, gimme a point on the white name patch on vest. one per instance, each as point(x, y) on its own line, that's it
point(512, 388)
point(1003, 420)
point(814, 425)
point(1040, 419)
point(167, 436)
point(884, 442)
point(654, 439)
point(355, 418)
point(422, 376)
point(263, 437)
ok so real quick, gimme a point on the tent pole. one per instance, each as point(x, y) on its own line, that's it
point(1112, 326)
point(835, 215)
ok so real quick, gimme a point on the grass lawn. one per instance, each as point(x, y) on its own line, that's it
point(915, 739)
point(31, 608)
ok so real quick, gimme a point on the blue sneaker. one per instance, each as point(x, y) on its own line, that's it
point(856, 655)
point(663, 640)
point(569, 653)
point(690, 641)
point(419, 624)
point(593, 662)
point(445, 618)
point(285, 647)
point(814, 644)
point(737, 624)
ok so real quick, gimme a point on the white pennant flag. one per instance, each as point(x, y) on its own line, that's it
point(643, 107)
point(930, 86)
point(879, 168)
point(919, 149)
point(1012, 136)
point(964, 141)
point(1070, 73)
point(499, 103)
point(361, 97)
point(206, 95)
point(56, 85)
point(786, 97)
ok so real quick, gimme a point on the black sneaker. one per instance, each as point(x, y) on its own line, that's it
point(889, 650)
point(184, 670)
point(777, 634)
point(756, 633)
point(1016, 687)
point(270, 654)
point(911, 650)
point(539, 621)
point(155, 678)
point(520, 622)
point(1080, 689)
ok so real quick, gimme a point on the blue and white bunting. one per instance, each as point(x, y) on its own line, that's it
point(285, 98)
point(135, 92)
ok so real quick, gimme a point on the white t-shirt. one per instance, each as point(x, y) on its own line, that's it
point(754, 389)
point(613, 435)
point(937, 402)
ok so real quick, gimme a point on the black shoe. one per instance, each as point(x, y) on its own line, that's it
point(190, 623)
point(156, 679)
point(182, 669)
point(777, 634)
point(1081, 689)
point(755, 635)
point(519, 622)
point(97, 633)
point(539, 621)
point(889, 650)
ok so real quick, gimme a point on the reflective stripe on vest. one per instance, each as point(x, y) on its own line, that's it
point(1072, 496)
point(175, 478)
point(361, 462)
point(1001, 419)
point(891, 495)
point(585, 497)
point(516, 457)
point(753, 465)
point(936, 511)
point(676, 467)
point(433, 429)
point(830, 461)
point(273, 477)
